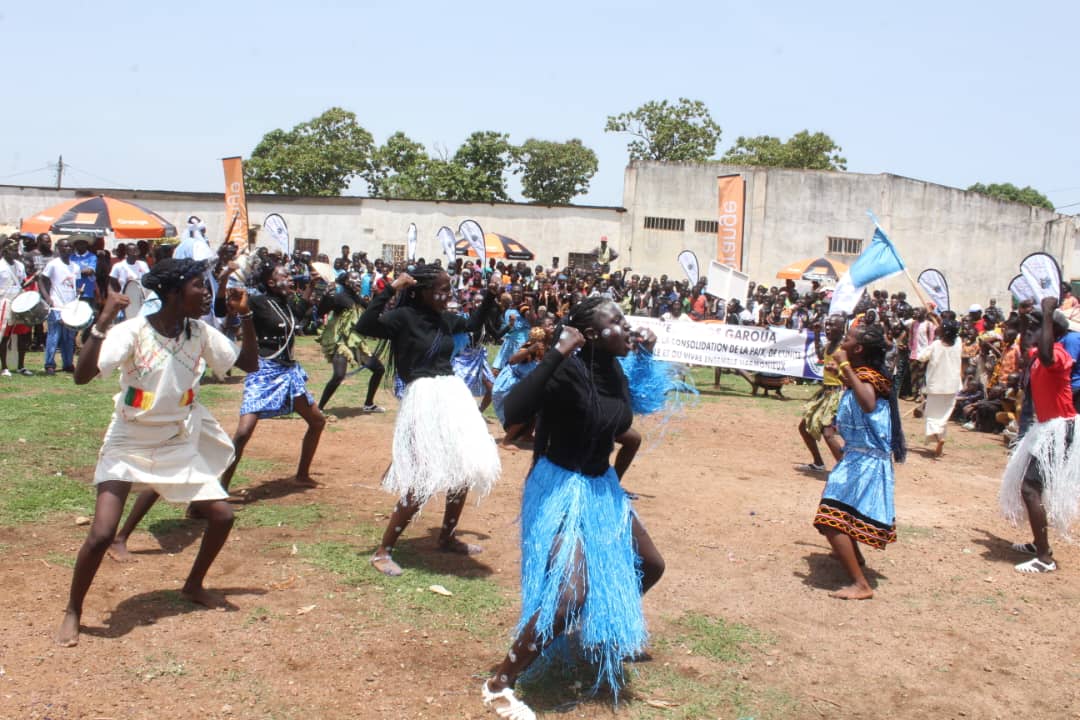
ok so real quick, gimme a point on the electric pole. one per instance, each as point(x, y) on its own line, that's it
point(59, 172)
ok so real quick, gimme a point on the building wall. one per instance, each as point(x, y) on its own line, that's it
point(362, 223)
point(976, 241)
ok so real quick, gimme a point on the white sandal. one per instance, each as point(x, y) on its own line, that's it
point(514, 709)
point(1034, 566)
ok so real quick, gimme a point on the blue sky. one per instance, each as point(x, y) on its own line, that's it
point(152, 95)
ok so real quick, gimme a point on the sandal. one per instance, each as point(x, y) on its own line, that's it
point(513, 709)
point(811, 467)
point(1034, 566)
point(1026, 548)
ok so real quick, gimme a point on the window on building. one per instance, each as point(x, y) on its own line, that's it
point(580, 260)
point(844, 246)
point(659, 223)
point(393, 253)
point(310, 245)
point(712, 227)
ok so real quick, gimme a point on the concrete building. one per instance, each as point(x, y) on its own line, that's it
point(976, 241)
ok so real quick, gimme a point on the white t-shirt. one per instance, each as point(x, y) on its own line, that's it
point(62, 279)
point(943, 367)
point(11, 278)
point(159, 376)
point(123, 272)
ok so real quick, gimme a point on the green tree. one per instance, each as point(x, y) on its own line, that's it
point(1007, 191)
point(317, 157)
point(398, 169)
point(681, 132)
point(804, 150)
point(552, 173)
point(484, 157)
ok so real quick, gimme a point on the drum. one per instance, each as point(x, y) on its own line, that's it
point(77, 315)
point(136, 295)
point(28, 308)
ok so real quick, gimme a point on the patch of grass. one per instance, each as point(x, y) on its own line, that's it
point(470, 608)
point(266, 514)
point(250, 469)
point(257, 614)
point(163, 666)
point(61, 559)
point(683, 694)
point(31, 499)
point(717, 638)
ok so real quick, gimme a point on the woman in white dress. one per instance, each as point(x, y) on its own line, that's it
point(943, 381)
point(160, 436)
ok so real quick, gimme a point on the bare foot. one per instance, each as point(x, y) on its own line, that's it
point(306, 481)
point(202, 596)
point(119, 552)
point(386, 565)
point(453, 545)
point(853, 592)
point(940, 449)
point(68, 634)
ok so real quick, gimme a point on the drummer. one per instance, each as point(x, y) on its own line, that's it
point(128, 269)
point(12, 282)
point(58, 279)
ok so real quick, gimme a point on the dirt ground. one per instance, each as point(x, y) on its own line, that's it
point(953, 631)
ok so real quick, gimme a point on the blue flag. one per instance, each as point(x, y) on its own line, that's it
point(877, 261)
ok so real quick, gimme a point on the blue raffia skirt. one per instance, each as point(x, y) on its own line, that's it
point(270, 390)
point(563, 512)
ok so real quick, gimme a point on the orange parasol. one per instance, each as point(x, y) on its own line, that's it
point(98, 215)
point(498, 246)
point(813, 269)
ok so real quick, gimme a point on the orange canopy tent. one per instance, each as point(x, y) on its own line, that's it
point(820, 269)
point(497, 246)
point(98, 215)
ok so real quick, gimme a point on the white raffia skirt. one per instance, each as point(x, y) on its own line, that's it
point(441, 442)
point(1052, 446)
point(180, 461)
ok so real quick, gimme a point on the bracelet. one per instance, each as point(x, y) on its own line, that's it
point(245, 316)
point(94, 332)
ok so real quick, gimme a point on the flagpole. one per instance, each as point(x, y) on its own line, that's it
point(919, 291)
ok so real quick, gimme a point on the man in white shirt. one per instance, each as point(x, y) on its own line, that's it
point(12, 282)
point(128, 269)
point(58, 280)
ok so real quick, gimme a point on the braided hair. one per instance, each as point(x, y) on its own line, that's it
point(425, 276)
point(171, 274)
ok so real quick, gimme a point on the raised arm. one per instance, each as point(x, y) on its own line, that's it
point(369, 324)
point(864, 392)
point(526, 397)
point(476, 319)
point(248, 359)
point(1046, 332)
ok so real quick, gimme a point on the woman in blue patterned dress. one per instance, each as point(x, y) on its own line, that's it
point(857, 503)
point(279, 386)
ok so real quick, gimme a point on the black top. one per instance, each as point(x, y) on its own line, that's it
point(421, 339)
point(341, 299)
point(581, 412)
point(276, 323)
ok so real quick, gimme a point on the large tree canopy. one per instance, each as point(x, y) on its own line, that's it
point(804, 150)
point(1008, 191)
point(683, 132)
point(317, 157)
point(553, 173)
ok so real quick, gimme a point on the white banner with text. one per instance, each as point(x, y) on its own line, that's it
point(743, 347)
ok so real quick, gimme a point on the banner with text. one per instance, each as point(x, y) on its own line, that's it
point(731, 190)
point(236, 214)
point(744, 347)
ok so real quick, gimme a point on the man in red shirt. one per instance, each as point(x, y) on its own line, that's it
point(1043, 461)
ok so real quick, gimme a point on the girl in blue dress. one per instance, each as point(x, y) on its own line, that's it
point(515, 328)
point(857, 503)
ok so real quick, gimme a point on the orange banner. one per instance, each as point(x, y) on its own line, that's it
point(236, 215)
point(732, 199)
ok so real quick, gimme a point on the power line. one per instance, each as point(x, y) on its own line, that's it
point(1059, 207)
point(26, 172)
point(114, 183)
